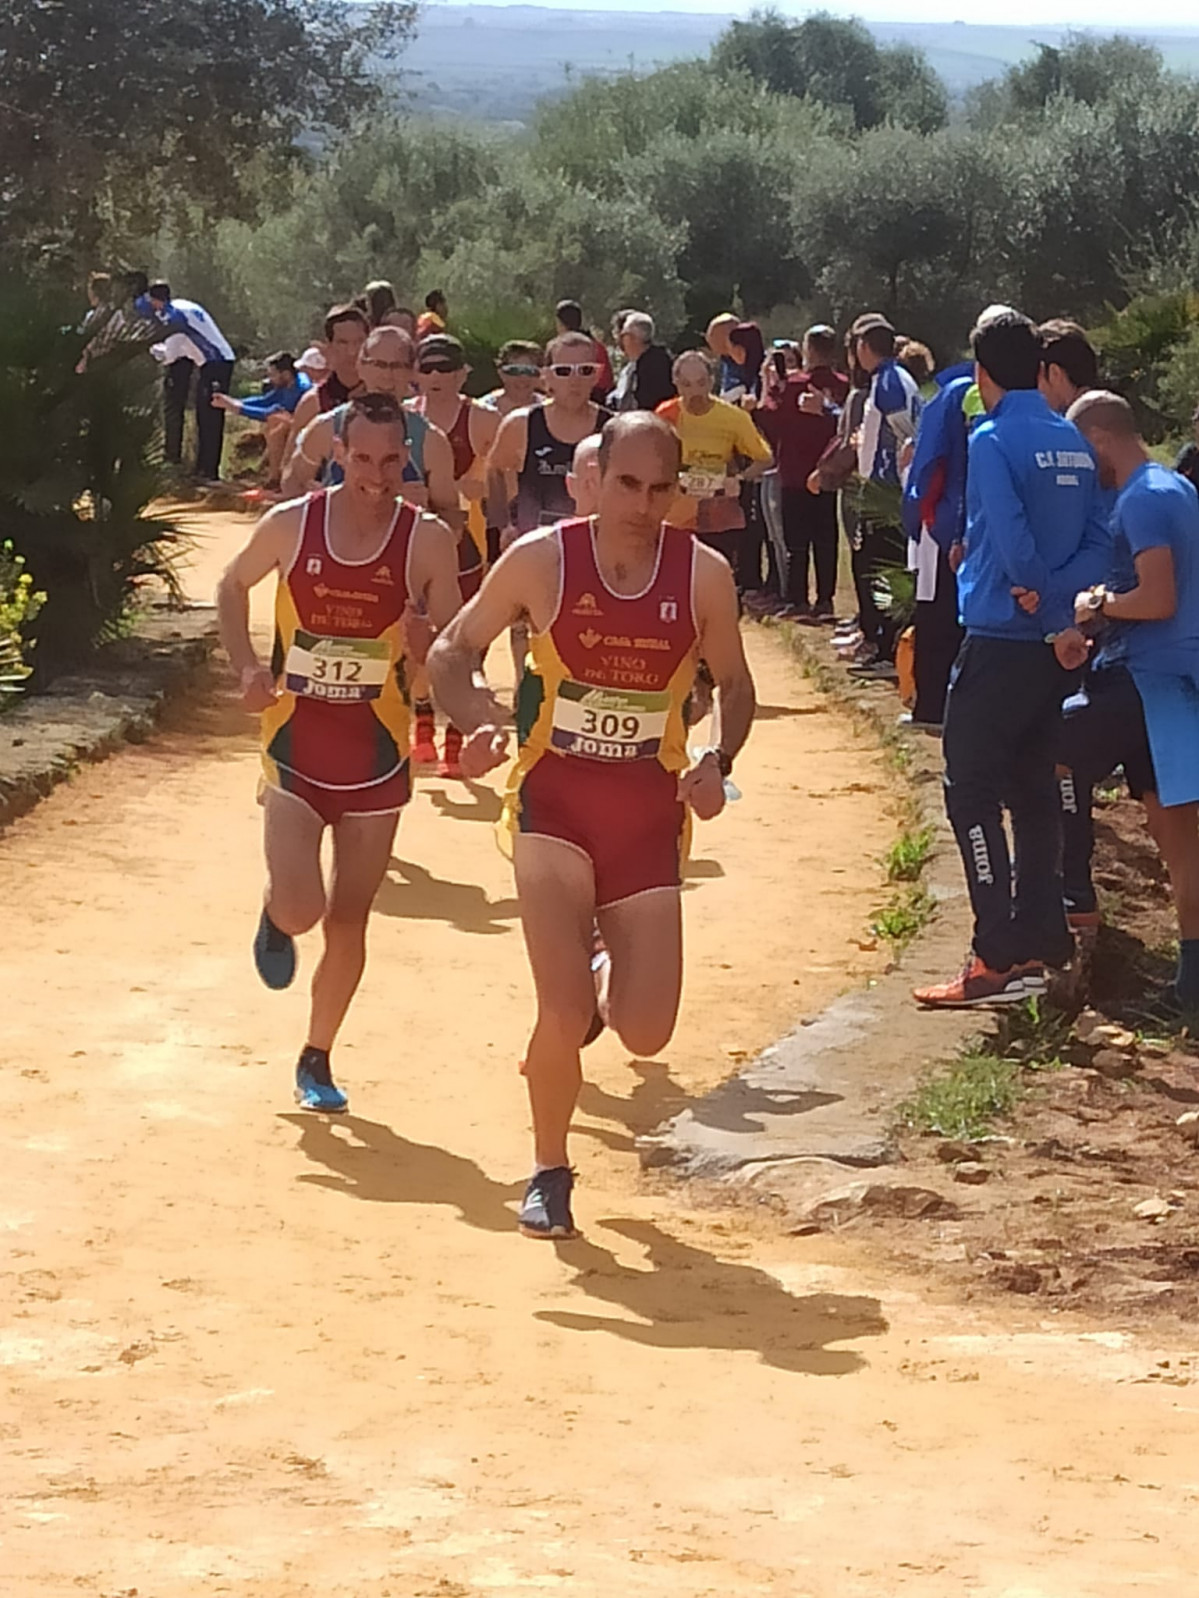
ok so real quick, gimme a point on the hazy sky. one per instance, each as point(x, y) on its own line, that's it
point(1119, 15)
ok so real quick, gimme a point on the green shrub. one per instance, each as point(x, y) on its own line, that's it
point(19, 605)
point(81, 462)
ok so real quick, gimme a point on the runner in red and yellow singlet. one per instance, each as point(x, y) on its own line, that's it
point(620, 608)
point(361, 576)
point(441, 370)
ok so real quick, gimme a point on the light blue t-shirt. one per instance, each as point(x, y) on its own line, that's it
point(1157, 509)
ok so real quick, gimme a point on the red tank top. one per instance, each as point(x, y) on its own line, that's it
point(615, 672)
point(341, 717)
point(459, 436)
point(619, 641)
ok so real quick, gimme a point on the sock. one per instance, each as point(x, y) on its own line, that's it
point(1186, 983)
point(316, 1062)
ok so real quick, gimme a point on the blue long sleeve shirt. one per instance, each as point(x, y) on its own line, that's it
point(259, 406)
point(1034, 519)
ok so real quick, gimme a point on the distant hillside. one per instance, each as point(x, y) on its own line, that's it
point(495, 62)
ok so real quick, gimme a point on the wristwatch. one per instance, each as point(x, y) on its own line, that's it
point(723, 759)
point(1096, 598)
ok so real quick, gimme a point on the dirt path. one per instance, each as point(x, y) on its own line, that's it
point(250, 1352)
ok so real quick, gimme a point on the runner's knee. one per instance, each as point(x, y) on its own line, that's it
point(642, 1034)
point(565, 1025)
point(293, 910)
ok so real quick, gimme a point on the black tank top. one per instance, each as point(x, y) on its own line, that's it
point(541, 495)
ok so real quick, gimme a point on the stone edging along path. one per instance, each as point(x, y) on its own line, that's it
point(89, 714)
point(819, 1103)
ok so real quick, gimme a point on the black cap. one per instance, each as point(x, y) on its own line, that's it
point(442, 351)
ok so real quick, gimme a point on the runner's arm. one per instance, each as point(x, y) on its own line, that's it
point(439, 478)
point(754, 447)
point(311, 449)
point(435, 585)
point(527, 571)
point(504, 465)
point(306, 411)
point(721, 647)
point(270, 549)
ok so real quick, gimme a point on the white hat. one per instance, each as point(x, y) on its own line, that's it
point(312, 360)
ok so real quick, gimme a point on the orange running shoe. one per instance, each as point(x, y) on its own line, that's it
point(424, 750)
point(450, 760)
point(978, 984)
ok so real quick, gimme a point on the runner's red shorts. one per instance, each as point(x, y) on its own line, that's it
point(335, 804)
point(627, 819)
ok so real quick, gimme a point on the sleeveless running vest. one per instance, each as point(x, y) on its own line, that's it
point(459, 435)
point(341, 719)
point(416, 430)
point(472, 546)
point(608, 679)
point(331, 392)
point(541, 494)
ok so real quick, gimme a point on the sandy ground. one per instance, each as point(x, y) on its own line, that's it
point(247, 1351)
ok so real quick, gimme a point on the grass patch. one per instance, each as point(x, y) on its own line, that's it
point(966, 1098)
point(1035, 1033)
point(903, 918)
point(908, 855)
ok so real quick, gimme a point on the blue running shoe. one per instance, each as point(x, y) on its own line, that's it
point(274, 954)
point(545, 1208)
point(315, 1088)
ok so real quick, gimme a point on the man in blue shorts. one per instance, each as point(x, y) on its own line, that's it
point(1143, 710)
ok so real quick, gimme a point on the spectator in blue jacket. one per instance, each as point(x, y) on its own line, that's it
point(274, 407)
point(1035, 536)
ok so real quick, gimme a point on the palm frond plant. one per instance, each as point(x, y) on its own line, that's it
point(80, 465)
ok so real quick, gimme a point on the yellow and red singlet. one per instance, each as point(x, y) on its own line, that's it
point(341, 720)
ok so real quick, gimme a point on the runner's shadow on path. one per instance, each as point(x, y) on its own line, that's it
point(655, 1097)
point(420, 896)
point(686, 1298)
point(485, 805)
point(735, 1106)
point(785, 712)
point(701, 870)
point(377, 1165)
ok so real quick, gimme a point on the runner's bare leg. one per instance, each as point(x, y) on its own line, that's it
point(295, 888)
point(361, 852)
point(644, 939)
point(556, 887)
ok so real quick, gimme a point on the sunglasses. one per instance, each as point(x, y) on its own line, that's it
point(427, 368)
point(586, 369)
point(520, 371)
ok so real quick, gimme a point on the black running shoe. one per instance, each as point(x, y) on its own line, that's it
point(274, 954)
point(545, 1209)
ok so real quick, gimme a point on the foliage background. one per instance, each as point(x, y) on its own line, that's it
point(801, 171)
point(258, 154)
